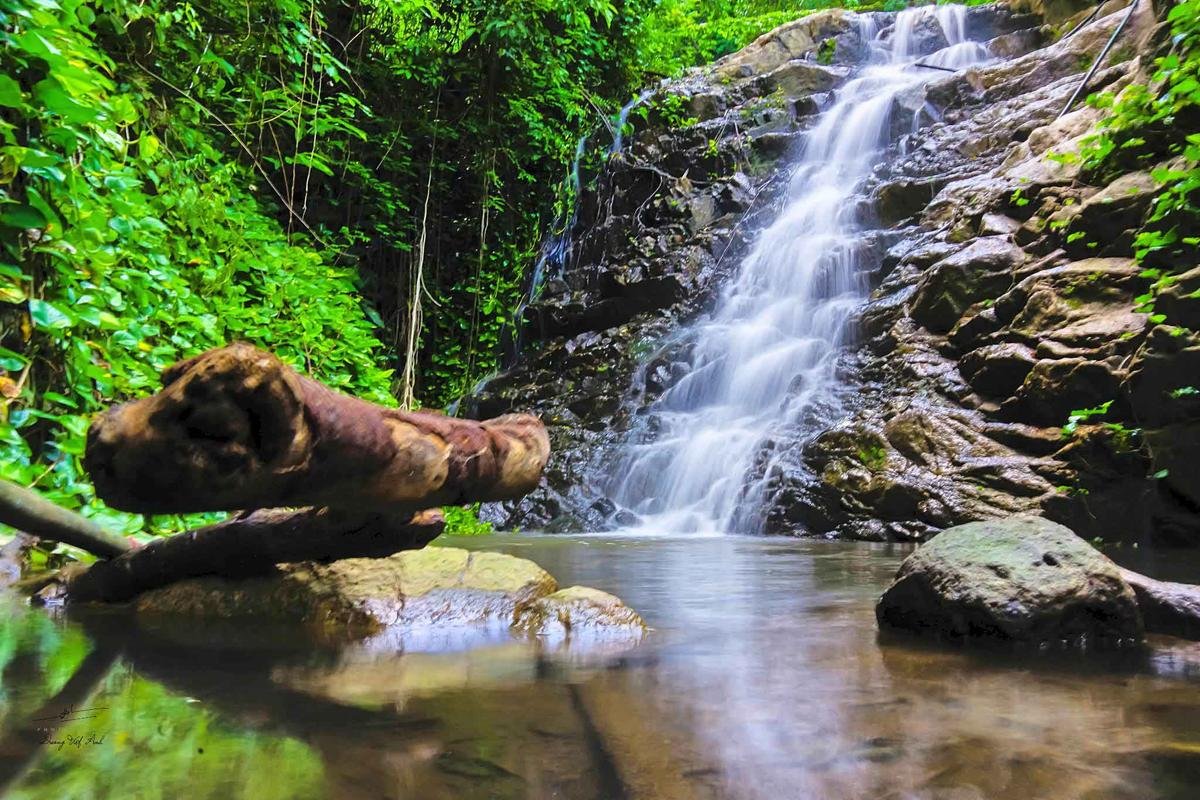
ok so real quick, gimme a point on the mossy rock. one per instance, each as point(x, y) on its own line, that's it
point(1023, 579)
point(578, 610)
point(357, 598)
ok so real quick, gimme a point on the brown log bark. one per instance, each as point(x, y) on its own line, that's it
point(1170, 608)
point(252, 544)
point(236, 428)
point(27, 511)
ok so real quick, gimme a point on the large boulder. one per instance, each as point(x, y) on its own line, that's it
point(1022, 579)
point(389, 599)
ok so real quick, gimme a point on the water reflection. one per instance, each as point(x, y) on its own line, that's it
point(764, 678)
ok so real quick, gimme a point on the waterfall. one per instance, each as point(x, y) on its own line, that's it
point(556, 248)
point(623, 117)
point(765, 358)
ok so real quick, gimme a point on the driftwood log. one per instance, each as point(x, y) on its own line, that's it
point(1170, 608)
point(252, 544)
point(236, 428)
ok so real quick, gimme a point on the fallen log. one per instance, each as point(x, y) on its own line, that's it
point(236, 428)
point(1170, 608)
point(29, 512)
point(252, 544)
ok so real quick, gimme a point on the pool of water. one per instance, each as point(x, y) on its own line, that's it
point(764, 677)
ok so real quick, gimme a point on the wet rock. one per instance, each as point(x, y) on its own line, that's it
point(974, 328)
point(1022, 579)
point(370, 598)
point(1120, 206)
point(997, 370)
point(922, 468)
point(1052, 11)
point(578, 611)
point(981, 271)
point(789, 41)
point(1163, 378)
point(1180, 302)
point(1018, 43)
point(707, 105)
point(800, 78)
point(898, 200)
point(1055, 387)
point(1084, 305)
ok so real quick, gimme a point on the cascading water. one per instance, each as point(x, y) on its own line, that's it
point(622, 118)
point(766, 356)
point(556, 249)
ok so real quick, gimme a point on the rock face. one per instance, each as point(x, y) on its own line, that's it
point(1023, 580)
point(1004, 297)
point(437, 587)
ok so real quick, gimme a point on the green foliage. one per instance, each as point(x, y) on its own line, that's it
point(1150, 124)
point(673, 109)
point(131, 238)
point(462, 521)
point(873, 457)
point(827, 51)
point(1083, 415)
point(677, 34)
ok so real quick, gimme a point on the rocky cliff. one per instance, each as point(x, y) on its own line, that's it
point(1004, 294)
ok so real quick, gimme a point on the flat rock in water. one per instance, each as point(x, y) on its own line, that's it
point(1023, 579)
point(416, 591)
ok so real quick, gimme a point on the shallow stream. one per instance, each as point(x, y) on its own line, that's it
point(764, 677)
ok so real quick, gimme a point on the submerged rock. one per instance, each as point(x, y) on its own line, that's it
point(438, 588)
point(1023, 579)
point(577, 610)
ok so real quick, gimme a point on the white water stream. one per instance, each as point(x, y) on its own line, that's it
point(766, 356)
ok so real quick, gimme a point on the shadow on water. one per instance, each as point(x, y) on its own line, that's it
point(764, 678)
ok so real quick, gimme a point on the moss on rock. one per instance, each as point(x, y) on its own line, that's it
point(361, 597)
point(1022, 579)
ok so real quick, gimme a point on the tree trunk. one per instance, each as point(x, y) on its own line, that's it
point(252, 544)
point(236, 428)
point(1170, 608)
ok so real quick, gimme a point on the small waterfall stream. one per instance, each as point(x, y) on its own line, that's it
point(766, 357)
point(555, 252)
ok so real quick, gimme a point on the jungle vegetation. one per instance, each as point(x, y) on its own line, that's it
point(360, 186)
point(357, 185)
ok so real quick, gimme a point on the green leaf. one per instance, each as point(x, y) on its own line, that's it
point(46, 316)
point(22, 216)
point(56, 100)
point(10, 93)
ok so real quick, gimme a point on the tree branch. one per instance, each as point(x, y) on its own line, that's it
point(1170, 608)
point(253, 544)
point(27, 511)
